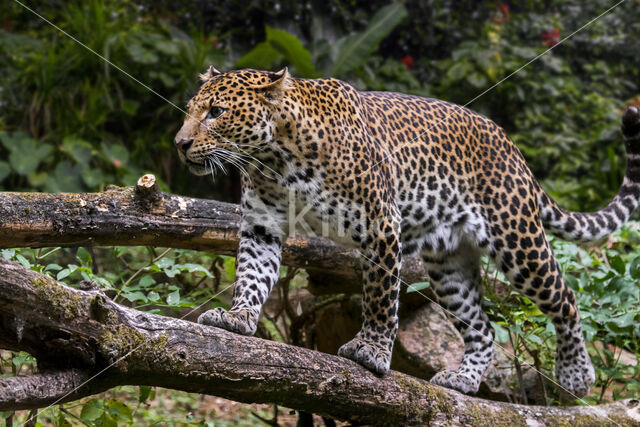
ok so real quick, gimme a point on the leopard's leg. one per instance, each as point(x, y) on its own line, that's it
point(257, 263)
point(529, 263)
point(381, 261)
point(455, 278)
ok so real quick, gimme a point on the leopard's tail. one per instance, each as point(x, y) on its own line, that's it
point(579, 226)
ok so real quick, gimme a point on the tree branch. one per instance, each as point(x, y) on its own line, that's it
point(64, 327)
point(143, 215)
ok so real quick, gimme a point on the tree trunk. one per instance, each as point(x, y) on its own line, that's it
point(108, 344)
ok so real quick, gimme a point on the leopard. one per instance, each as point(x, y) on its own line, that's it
point(394, 175)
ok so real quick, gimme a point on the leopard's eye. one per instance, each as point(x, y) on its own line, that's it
point(215, 112)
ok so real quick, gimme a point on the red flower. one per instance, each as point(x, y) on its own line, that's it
point(550, 38)
point(407, 61)
point(503, 8)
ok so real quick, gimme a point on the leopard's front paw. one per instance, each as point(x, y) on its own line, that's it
point(368, 354)
point(242, 322)
point(463, 382)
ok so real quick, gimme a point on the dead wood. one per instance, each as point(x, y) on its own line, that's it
point(76, 335)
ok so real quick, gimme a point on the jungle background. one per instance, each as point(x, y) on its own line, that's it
point(70, 122)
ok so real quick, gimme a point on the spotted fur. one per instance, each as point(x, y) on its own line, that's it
point(393, 174)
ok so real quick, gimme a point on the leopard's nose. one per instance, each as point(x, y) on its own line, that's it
point(183, 144)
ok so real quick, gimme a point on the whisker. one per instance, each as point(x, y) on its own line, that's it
point(228, 156)
point(260, 162)
point(209, 164)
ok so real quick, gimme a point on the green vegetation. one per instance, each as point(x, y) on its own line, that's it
point(606, 280)
point(70, 121)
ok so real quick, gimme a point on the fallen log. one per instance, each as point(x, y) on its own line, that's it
point(143, 215)
point(85, 343)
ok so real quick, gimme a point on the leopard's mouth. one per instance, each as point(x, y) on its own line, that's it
point(197, 168)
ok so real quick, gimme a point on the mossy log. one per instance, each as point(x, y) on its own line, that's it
point(85, 344)
point(143, 215)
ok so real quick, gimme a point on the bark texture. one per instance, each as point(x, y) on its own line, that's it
point(111, 345)
point(143, 215)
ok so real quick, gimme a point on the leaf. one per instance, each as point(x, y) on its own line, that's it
point(168, 47)
point(5, 170)
point(356, 48)
point(625, 320)
point(52, 267)
point(84, 256)
point(172, 271)
point(92, 410)
point(634, 269)
point(262, 57)
point(418, 286)
point(459, 70)
point(146, 281)
point(27, 155)
point(229, 268)
point(293, 50)
point(116, 154)
point(164, 263)
point(12, 141)
point(173, 298)
point(618, 264)
point(92, 177)
point(8, 253)
point(65, 178)
point(501, 334)
point(153, 296)
point(38, 179)
point(66, 272)
point(23, 359)
point(143, 393)
point(23, 261)
point(62, 420)
point(130, 106)
point(140, 53)
point(477, 80)
point(194, 268)
point(135, 296)
point(119, 411)
point(78, 150)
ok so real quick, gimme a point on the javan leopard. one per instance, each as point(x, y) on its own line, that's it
point(394, 175)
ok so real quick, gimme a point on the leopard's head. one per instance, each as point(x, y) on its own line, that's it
point(232, 116)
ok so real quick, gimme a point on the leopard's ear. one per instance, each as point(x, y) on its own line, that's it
point(209, 74)
point(279, 82)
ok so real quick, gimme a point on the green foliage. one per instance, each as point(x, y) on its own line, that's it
point(353, 50)
point(280, 45)
point(606, 282)
point(417, 287)
point(87, 123)
point(563, 109)
point(607, 286)
point(335, 58)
